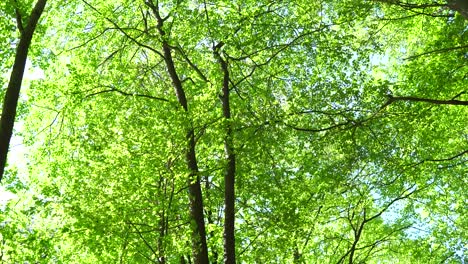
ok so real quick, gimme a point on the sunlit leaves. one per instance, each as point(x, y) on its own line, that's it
point(318, 156)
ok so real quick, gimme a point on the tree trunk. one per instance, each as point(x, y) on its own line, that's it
point(230, 172)
point(14, 86)
point(209, 218)
point(199, 247)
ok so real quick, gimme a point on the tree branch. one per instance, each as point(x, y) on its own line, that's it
point(411, 6)
point(19, 18)
point(392, 99)
point(113, 89)
point(144, 240)
point(436, 51)
point(450, 158)
point(124, 32)
point(187, 59)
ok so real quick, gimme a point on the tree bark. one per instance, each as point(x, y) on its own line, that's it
point(10, 101)
point(230, 172)
point(199, 247)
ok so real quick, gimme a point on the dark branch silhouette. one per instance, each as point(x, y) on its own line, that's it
point(16, 78)
point(392, 99)
point(112, 89)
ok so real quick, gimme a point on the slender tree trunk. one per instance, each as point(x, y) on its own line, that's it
point(162, 234)
point(209, 218)
point(199, 247)
point(357, 236)
point(230, 172)
point(14, 86)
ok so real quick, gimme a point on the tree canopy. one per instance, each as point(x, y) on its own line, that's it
point(237, 132)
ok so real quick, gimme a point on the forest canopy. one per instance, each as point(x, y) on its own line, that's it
point(234, 131)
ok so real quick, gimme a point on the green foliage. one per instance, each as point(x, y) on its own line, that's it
point(328, 169)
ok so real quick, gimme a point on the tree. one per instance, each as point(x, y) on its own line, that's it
point(263, 132)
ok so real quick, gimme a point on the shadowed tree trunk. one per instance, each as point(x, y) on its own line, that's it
point(14, 86)
point(230, 172)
